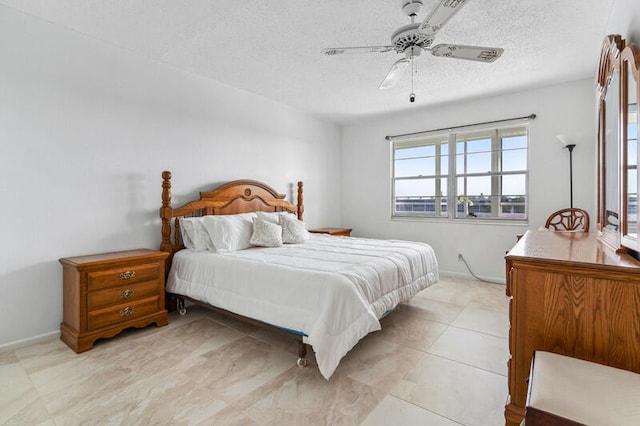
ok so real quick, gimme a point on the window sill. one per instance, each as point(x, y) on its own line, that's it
point(477, 221)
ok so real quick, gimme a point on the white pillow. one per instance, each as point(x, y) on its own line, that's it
point(265, 233)
point(186, 230)
point(289, 214)
point(194, 234)
point(293, 230)
point(229, 232)
point(273, 217)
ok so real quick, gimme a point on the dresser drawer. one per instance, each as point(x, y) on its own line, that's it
point(122, 313)
point(122, 276)
point(123, 294)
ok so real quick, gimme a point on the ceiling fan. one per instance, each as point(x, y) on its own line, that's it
point(413, 38)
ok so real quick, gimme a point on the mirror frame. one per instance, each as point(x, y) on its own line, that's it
point(610, 56)
point(630, 71)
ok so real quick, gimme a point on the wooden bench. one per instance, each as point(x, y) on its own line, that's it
point(570, 391)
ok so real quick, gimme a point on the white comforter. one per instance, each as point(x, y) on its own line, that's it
point(333, 289)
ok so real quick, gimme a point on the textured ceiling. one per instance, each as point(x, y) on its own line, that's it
point(272, 47)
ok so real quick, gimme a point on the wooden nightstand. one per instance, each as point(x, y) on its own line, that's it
point(105, 293)
point(344, 232)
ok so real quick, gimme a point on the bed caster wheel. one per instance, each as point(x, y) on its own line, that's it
point(182, 310)
point(302, 362)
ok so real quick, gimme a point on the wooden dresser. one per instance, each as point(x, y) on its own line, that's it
point(105, 293)
point(572, 295)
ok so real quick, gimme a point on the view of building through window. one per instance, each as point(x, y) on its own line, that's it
point(632, 167)
point(485, 171)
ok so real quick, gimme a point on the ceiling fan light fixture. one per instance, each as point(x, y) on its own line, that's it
point(395, 73)
point(412, 52)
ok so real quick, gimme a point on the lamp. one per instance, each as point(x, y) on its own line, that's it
point(566, 144)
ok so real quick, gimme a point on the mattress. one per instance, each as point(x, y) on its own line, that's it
point(331, 289)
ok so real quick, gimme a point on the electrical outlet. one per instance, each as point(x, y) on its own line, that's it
point(459, 257)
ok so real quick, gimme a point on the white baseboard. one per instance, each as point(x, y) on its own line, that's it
point(29, 341)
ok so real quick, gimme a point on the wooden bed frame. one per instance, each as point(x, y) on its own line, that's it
point(239, 196)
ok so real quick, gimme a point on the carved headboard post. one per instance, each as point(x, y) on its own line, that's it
point(166, 213)
point(300, 205)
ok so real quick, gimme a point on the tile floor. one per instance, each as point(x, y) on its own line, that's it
point(440, 359)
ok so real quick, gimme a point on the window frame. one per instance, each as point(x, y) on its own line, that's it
point(498, 133)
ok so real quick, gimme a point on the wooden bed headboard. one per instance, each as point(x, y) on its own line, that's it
point(238, 196)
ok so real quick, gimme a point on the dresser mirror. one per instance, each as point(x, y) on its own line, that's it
point(630, 60)
point(609, 125)
point(611, 152)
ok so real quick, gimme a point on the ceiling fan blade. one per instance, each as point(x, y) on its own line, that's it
point(394, 74)
point(471, 53)
point(439, 16)
point(348, 50)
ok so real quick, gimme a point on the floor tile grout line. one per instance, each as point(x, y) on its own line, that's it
point(466, 364)
point(423, 408)
point(37, 390)
point(423, 351)
point(480, 332)
point(467, 305)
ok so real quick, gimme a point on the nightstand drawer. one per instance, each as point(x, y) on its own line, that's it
point(123, 276)
point(121, 313)
point(123, 294)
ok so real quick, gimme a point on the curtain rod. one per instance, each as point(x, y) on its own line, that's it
point(416, 134)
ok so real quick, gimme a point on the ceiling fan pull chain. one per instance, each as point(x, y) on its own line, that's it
point(412, 96)
point(412, 65)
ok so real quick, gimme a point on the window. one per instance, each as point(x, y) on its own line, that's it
point(632, 165)
point(462, 175)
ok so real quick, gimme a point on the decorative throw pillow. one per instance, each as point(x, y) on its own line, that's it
point(266, 234)
point(273, 217)
point(293, 230)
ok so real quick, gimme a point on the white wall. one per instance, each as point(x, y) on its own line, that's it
point(85, 132)
point(625, 20)
point(567, 109)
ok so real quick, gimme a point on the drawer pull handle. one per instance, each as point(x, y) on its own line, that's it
point(127, 275)
point(125, 312)
point(127, 293)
